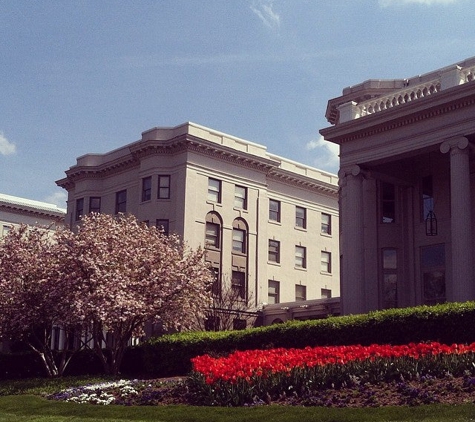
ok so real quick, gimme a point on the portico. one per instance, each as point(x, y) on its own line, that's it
point(406, 155)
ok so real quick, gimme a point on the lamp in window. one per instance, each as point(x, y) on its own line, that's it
point(431, 224)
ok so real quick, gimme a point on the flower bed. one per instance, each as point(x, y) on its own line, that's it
point(246, 377)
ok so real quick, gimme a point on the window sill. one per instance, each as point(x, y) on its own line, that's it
point(277, 264)
point(326, 234)
point(277, 223)
point(325, 273)
point(300, 268)
point(218, 204)
point(299, 228)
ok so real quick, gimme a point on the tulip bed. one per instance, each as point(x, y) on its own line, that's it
point(265, 376)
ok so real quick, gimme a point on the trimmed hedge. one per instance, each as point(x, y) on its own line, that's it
point(447, 323)
point(170, 355)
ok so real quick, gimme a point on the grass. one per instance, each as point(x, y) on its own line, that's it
point(23, 400)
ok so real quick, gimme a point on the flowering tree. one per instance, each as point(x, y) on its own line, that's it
point(32, 295)
point(125, 274)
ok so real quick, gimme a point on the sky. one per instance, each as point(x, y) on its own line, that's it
point(90, 76)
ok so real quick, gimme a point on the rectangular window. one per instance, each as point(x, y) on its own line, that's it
point(433, 273)
point(121, 202)
point(427, 197)
point(239, 241)
point(95, 204)
point(240, 197)
point(389, 258)
point(301, 217)
point(274, 210)
point(388, 203)
point(212, 236)
point(326, 262)
point(216, 287)
point(163, 187)
point(300, 293)
point(239, 324)
point(147, 188)
point(79, 208)
point(5, 230)
point(300, 257)
point(273, 292)
point(214, 190)
point(325, 293)
point(274, 251)
point(238, 284)
point(163, 225)
point(326, 224)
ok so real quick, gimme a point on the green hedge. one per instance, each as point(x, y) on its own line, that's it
point(446, 323)
point(170, 355)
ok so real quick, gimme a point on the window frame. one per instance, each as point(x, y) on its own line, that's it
point(165, 223)
point(79, 212)
point(121, 202)
point(274, 214)
point(388, 203)
point(146, 188)
point(239, 244)
point(300, 259)
point(240, 198)
point(389, 271)
point(241, 285)
point(214, 191)
point(216, 244)
point(300, 220)
point(326, 265)
point(326, 226)
point(164, 190)
point(303, 294)
point(274, 251)
point(273, 292)
point(95, 209)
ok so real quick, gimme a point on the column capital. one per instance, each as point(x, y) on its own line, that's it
point(354, 170)
point(454, 144)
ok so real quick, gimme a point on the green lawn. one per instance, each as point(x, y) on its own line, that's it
point(22, 408)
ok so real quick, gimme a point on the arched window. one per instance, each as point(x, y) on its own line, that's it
point(240, 236)
point(213, 246)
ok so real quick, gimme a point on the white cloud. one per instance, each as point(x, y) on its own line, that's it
point(264, 10)
point(386, 3)
point(57, 198)
point(326, 154)
point(6, 147)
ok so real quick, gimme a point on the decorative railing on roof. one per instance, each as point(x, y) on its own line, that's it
point(445, 79)
point(399, 97)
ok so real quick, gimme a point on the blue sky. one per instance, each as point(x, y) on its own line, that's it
point(90, 76)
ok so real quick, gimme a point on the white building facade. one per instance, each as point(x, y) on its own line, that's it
point(15, 211)
point(269, 225)
point(406, 189)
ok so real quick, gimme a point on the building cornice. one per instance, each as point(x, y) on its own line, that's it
point(30, 211)
point(301, 181)
point(437, 105)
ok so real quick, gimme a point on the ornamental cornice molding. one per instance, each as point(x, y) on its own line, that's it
point(394, 118)
point(302, 181)
point(22, 210)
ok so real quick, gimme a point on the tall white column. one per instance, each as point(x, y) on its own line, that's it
point(352, 286)
point(462, 283)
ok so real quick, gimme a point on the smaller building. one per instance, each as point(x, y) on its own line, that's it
point(15, 211)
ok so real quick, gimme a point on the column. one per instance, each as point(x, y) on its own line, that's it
point(352, 283)
point(461, 223)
